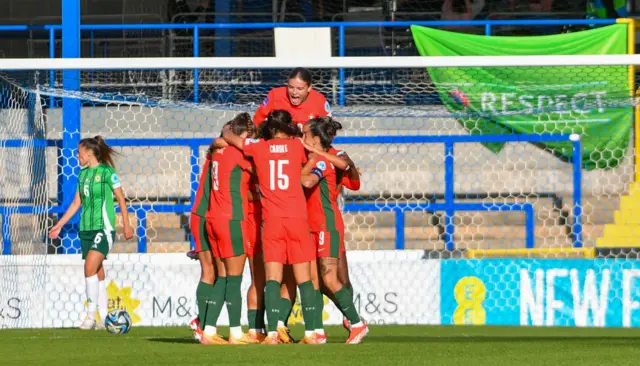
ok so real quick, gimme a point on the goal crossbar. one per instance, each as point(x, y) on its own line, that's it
point(177, 63)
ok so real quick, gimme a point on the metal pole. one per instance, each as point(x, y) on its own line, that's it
point(70, 119)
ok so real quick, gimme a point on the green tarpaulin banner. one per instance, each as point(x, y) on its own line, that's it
point(593, 101)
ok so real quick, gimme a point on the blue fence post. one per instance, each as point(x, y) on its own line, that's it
point(52, 73)
point(6, 232)
point(222, 42)
point(195, 170)
point(449, 229)
point(530, 225)
point(70, 118)
point(341, 53)
point(141, 231)
point(196, 72)
point(60, 185)
point(487, 29)
point(399, 228)
point(195, 173)
point(577, 190)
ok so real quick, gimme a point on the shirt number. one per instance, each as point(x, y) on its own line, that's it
point(214, 173)
point(276, 174)
point(85, 190)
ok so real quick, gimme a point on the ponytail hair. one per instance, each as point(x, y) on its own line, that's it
point(103, 152)
point(325, 128)
point(279, 120)
point(239, 124)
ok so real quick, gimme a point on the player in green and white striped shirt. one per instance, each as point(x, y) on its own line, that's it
point(97, 183)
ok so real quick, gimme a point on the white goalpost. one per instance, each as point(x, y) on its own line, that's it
point(458, 163)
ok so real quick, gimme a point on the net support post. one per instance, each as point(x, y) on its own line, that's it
point(70, 120)
point(448, 196)
point(341, 51)
point(196, 72)
point(487, 29)
point(577, 190)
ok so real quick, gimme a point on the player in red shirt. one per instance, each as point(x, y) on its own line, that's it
point(326, 225)
point(298, 98)
point(203, 252)
point(349, 179)
point(285, 234)
point(226, 222)
point(253, 238)
point(303, 103)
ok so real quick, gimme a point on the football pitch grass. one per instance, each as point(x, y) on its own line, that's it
point(385, 345)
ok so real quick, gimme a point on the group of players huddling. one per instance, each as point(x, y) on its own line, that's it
point(269, 192)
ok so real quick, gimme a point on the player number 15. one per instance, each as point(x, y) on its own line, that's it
point(276, 173)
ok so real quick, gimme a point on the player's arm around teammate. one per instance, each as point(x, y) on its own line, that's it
point(327, 231)
point(285, 233)
point(231, 175)
point(97, 184)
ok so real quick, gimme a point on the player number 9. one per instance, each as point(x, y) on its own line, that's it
point(214, 173)
point(277, 174)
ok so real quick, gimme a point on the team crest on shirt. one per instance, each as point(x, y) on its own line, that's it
point(327, 108)
point(97, 178)
point(321, 165)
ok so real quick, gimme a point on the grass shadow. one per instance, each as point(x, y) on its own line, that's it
point(181, 340)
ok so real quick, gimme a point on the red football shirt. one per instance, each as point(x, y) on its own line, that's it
point(322, 199)
point(230, 184)
point(255, 207)
point(315, 106)
point(279, 168)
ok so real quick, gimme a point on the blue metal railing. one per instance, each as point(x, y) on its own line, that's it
point(341, 26)
point(449, 207)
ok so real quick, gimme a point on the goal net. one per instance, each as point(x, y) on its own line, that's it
point(456, 177)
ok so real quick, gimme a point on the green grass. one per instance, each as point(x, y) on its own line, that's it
point(385, 345)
